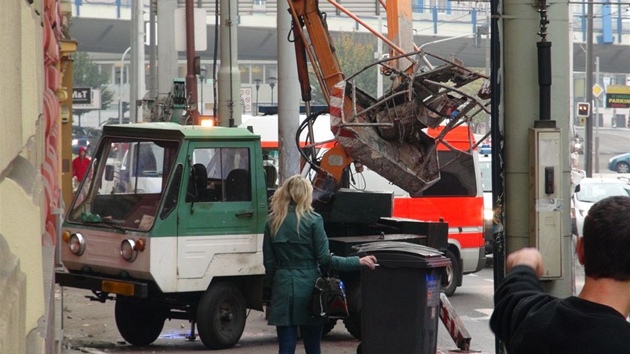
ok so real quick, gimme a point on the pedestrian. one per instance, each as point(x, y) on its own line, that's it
point(575, 159)
point(295, 246)
point(530, 321)
point(80, 165)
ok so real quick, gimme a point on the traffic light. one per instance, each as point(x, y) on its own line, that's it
point(583, 109)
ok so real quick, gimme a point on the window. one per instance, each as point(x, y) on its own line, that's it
point(170, 201)
point(245, 69)
point(125, 183)
point(270, 71)
point(220, 174)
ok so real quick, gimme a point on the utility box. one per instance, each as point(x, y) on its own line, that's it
point(547, 209)
point(400, 299)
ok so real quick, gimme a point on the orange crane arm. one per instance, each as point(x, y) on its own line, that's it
point(385, 134)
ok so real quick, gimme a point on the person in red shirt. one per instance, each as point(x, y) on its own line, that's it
point(80, 165)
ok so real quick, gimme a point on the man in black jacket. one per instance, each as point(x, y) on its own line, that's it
point(530, 321)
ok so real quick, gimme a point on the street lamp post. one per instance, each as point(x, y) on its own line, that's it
point(122, 79)
point(257, 81)
point(272, 82)
point(202, 78)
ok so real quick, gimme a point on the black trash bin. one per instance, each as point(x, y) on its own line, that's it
point(400, 299)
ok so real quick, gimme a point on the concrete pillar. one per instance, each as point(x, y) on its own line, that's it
point(137, 81)
point(520, 109)
point(167, 55)
point(289, 96)
point(229, 77)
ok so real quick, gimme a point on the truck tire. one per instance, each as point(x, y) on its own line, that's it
point(353, 324)
point(221, 316)
point(138, 323)
point(451, 274)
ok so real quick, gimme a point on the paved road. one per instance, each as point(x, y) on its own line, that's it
point(90, 326)
point(612, 141)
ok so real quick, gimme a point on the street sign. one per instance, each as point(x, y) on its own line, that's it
point(597, 90)
point(81, 95)
point(86, 98)
point(617, 96)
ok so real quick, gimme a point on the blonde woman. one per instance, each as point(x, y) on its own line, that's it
point(294, 247)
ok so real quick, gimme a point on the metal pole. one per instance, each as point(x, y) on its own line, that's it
point(588, 131)
point(272, 86)
point(191, 78)
point(379, 51)
point(498, 202)
point(153, 90)
point(201, 95)
point(257, 81)
point(122, 80)
point(137, 63)
point(596, 118)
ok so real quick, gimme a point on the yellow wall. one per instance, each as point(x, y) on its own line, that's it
point(21, 152)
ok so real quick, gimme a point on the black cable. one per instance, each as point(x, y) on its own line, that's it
point(303, 125)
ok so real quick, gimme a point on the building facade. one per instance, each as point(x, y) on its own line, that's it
point(33, 99)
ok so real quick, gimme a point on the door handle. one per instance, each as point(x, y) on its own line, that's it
point(248, 213)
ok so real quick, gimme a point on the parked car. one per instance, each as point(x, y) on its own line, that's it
point(591, 190)
point(485, 149)
point(620, 163)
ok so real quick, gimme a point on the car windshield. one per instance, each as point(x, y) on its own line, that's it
point(125, 182)
point(594, 192)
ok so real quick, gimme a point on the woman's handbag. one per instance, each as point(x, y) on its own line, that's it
point(329, 296)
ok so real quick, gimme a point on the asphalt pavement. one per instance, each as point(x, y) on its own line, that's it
point(89, 327)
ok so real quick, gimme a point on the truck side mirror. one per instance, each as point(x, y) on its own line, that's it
point(109, 172)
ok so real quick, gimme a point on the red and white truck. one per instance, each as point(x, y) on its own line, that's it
point(456, 198)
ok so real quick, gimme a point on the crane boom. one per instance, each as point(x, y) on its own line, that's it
point(386, 134)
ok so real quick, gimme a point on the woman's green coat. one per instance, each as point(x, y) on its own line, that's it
point(292, 262)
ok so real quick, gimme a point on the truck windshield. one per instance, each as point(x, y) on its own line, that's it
point(125, 182)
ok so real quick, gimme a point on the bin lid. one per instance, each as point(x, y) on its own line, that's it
point(402, 254)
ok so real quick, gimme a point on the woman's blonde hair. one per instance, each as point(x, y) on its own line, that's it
point(295, 190)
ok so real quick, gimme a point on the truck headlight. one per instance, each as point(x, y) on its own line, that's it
point(76, 244)
point(128, 250)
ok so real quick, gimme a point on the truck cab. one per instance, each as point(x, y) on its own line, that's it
point(167, 213)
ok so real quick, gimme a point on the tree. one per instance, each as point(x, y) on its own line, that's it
point(354, 52)
point(86, 74)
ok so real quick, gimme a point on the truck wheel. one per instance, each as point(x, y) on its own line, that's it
point(353, 324)
point(328, 326)
point(221, 316)
point(138, 323)
point(451, 274)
